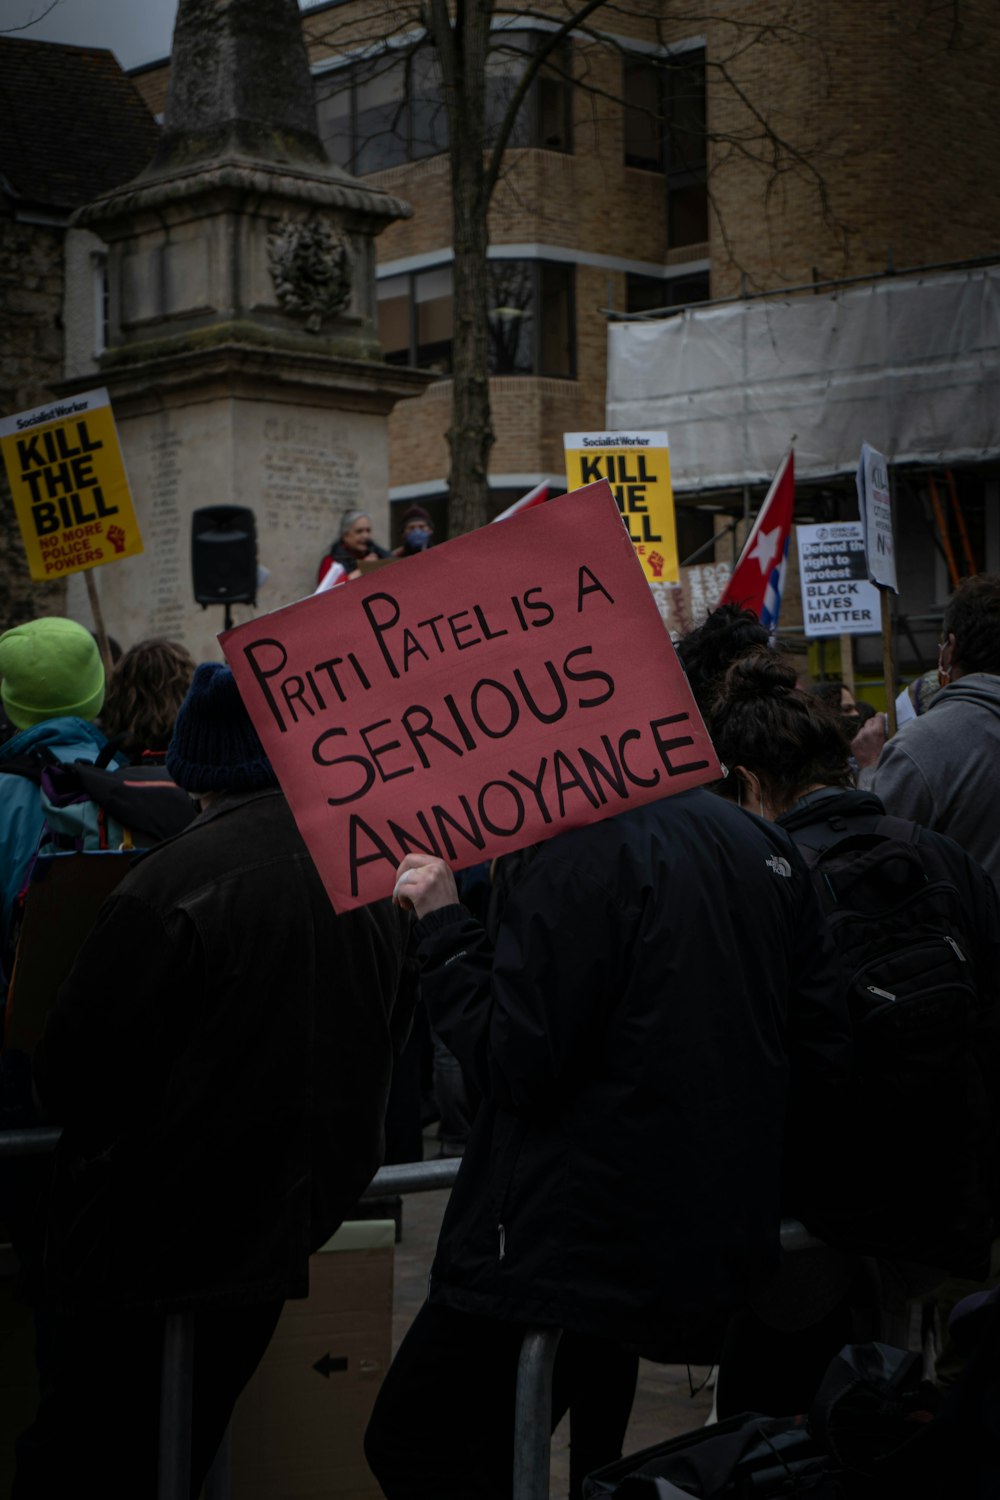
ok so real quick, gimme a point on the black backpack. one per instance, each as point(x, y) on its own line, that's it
point(919, 1152)
point(91, 805)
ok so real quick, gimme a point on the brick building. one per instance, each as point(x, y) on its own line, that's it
point(663, 161)
point(72, 126)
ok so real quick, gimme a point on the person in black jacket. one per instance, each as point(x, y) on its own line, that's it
point(919, 1178)
point(219, 1059)
point(659, 997)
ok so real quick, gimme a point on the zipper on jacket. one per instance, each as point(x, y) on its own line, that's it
point(958, 952)
point(873, 989)
point(503, 1241)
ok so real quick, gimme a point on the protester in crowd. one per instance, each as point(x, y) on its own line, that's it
point(838, 696)
point(707, 651)
point(923, 1199)
point(636, 1037)
point(940, 769)
point(219, 1059)
point(354, 543)
point(911, 701)
point(145, 691)
point(52, 689)
point(418, 528)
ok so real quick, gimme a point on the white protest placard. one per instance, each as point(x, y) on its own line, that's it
point(837, 598)
point(875, 506)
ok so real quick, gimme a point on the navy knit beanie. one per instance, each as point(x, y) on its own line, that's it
point(215, 747)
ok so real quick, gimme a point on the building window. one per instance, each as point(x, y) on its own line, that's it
point(530, 320)
point(383, 111)
point(416, 319)
point(545, 118)
point(665, 132)
point(651, 293)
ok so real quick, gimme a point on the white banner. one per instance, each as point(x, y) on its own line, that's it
point(912, 365)
point(874, 503)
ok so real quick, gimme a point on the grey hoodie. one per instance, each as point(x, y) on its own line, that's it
point(943, 769)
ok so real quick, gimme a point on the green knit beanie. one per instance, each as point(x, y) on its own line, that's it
point(50, 668)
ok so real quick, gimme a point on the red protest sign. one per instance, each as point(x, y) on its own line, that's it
point(507, 686)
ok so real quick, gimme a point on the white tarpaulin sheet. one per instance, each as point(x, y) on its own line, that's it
point(911, 366)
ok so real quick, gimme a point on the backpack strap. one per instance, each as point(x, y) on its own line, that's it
point(107, 752)
point(837, 829)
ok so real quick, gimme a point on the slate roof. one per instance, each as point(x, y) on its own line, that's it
point(72, 124)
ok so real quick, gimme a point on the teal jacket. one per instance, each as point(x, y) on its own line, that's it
point(21, 814)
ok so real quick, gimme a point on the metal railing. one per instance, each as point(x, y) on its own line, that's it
point(533, 1399)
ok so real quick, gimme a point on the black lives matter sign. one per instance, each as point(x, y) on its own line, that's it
point(837, 598)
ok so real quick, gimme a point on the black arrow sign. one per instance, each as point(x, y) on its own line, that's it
point(327, 1365)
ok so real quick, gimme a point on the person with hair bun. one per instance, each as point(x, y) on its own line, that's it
point(781, 744)
point(921, 1192)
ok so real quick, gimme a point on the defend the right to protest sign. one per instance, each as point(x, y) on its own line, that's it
point(837, 598)
point(875, 505)
point(69, 486)
point(637, 467)
point(509, 685)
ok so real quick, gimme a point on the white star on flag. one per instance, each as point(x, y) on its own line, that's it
point(765, 548)
point(759, 575)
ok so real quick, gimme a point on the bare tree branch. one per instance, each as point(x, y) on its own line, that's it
point(27, 25)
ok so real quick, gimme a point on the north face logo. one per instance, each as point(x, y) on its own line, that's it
point(778, 865)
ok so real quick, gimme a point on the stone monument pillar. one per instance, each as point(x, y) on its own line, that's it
point(242, 362)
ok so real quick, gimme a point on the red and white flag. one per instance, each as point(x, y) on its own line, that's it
point(335, 573)
point(758, 579)
point(537, 496)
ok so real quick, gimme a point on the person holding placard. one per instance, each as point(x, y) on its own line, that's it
point(659, 996)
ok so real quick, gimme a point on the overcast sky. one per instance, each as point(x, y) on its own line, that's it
point(136, 31)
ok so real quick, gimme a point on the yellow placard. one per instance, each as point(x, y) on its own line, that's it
point(637, 466)
point(70, 490)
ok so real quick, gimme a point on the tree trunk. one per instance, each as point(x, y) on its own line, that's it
point(470, 435)
point(462, 48)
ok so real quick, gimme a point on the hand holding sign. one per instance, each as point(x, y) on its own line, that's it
point(499, 689)
point(424, 884)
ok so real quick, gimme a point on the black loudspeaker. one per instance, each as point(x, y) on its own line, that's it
point(224, 555)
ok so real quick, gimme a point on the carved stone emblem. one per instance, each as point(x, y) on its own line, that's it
point(311, 269)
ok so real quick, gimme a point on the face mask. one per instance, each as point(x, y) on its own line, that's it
point(416, 541)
